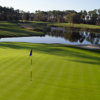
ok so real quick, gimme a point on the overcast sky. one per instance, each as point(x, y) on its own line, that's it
point(33, 5)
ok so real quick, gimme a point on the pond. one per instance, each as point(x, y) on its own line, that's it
point(61, 36)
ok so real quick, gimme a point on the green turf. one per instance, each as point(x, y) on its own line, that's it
point(42, 25)
point(83, 26)
point(60, 72)
point(8, 29)
point(38, 25)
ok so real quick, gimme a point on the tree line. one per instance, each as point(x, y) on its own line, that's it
point(67, 16)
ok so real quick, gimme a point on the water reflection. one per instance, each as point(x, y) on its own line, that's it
point(74, 35)
point(61, 35)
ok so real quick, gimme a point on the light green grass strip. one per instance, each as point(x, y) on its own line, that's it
point(60, 72)
point(85, 26)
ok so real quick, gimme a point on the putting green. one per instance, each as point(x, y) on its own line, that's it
point(60, 72)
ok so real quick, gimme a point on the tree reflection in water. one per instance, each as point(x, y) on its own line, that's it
point(74, 35)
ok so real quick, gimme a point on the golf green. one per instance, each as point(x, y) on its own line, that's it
point(59, 72)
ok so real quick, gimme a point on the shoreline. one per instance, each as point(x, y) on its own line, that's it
point(89, 46)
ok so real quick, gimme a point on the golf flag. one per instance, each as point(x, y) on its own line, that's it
point(31, 64)
point(30, 53)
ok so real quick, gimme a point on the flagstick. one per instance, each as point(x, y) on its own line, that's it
point(31, 68)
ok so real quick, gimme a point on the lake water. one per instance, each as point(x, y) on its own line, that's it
point(61, 36)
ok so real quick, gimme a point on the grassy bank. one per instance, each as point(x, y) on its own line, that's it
point(8, 29)
point(84, 26)
point(38, 25)
point(42, 25)
point(60, 72)
point(36, 28)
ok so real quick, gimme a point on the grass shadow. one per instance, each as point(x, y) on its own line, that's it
point(58, 50)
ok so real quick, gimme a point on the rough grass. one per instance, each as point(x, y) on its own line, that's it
point(60, 72)
point(8, 29)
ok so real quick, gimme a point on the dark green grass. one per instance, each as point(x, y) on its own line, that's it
point(39, 25)
point(8, 29)
point(60, 72)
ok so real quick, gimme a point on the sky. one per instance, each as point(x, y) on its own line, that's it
point(46, 5)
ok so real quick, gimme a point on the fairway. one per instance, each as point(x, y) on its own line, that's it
point(9, 29)
point(60, 72)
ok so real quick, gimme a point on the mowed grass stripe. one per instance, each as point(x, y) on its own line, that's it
point(12, 69)
point(81, 80)
point(68, 83)
point(12, 74)
point(27, 86)
point(42, 82)
point(17, 77)
point(47, 76)
point(76, 84)
point(95, 85)
point(67, 74)
point(58, 83)
point(35, 78)
point(12, 64)
point(13, 86)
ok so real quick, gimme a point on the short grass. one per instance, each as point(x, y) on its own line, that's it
point(41, 25)
point(60, 72)
point(84, 26)
point(8, 29)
